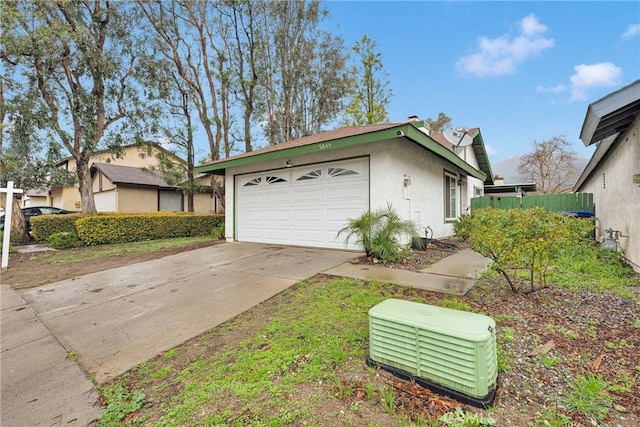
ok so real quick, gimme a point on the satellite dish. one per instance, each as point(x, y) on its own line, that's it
point(459, 138)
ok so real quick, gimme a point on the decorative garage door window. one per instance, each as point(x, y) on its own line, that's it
point(254, 181)
point(333, 172)
point(315, 174)
point(274, 179)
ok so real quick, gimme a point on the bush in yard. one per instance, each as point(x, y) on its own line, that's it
point(379, 232)
point(135, 227)
point(64, 240)
point(521, 239)
point(218, 231)
point(44, 226)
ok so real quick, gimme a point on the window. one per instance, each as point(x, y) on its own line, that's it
point(274, 179)
point(315, 174)
point(477, 191)
point(450, 197)
point(340, 172)
point(254, 181)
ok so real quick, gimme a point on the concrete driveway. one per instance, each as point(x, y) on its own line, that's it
point(116, 319)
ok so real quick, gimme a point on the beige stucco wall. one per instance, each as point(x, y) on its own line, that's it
point(616, 197)
point(137, 199)
point(389, 162)
point(202, 203)
point(106, 184)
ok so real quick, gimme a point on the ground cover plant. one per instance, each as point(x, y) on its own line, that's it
point(567, 356)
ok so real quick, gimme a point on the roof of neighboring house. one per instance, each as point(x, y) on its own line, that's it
point(510, 188)
point(357, 135)
point(606, 120)
point(146, 144)
point(130, 175)
point(38, 193)
point(611, 115)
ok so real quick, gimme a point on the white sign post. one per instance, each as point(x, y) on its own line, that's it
point(7, 221)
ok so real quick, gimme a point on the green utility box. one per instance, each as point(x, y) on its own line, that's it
point(449, 351)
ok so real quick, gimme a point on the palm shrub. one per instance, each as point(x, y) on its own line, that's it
point(379, 233)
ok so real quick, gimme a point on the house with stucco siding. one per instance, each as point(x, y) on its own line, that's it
point(302, 192)
point(126, 183)
point(612, 125)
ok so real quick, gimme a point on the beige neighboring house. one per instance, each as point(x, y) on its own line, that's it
point(125, 184)
point(35, 198)
point(613, 173)
point(133, 189)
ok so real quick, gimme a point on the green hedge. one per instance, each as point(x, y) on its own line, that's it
point(121, 227)
point(43, 226)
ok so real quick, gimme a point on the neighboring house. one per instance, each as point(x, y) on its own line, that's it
point(35, 198)
point(133, 189)
point(139, 157)
point(613, 173)
point(302, 192)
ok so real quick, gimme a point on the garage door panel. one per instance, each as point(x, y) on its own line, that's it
point(312, 214)
point(308, 209)
point(277, 234)
point(278, 215)
point(275, 196)
point(307, 195)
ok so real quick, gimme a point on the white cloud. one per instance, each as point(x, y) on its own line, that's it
point(586, 77)
point(490, 150)
point(499, 56)
point(631, 31)
point(551, 89)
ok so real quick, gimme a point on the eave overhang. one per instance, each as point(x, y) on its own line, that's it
point(611, 115)
point(407, 131)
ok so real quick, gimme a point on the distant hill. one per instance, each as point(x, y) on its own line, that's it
point(508, 169)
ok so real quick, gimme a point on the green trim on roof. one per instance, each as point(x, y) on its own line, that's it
point(482, 157)
point(408, 130)
point(297, 151)
point(427, 142)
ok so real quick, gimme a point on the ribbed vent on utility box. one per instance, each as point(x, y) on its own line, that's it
point(451, 349)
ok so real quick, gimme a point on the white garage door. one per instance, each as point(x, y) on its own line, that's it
point(105, 201)
point(303, 206)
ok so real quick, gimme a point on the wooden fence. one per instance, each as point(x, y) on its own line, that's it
point(575, 202)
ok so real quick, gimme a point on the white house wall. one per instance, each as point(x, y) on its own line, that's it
point(616, 197)
point(389, 161)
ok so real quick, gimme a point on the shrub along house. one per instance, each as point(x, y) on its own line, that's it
point(302, 192)
point(613, 173)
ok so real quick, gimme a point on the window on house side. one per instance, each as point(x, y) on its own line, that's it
point(450, 196)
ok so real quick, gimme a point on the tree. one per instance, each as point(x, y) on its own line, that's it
point(186, 38)
point(305, 75)
point(180, 135)
point(440, 124)
point(550, 165)
point(371, 93)
point(80, 59)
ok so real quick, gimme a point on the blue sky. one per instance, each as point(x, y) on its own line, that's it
point(521, 71)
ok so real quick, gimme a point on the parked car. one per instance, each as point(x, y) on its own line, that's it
point(36, 211)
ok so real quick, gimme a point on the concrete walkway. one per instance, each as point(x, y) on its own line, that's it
point(455, 274)
point(40, 385)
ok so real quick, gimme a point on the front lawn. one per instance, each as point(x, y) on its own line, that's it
point(299, 359)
